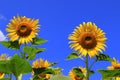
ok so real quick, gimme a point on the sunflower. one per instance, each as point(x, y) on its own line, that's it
point(87, 39)
point(41, 64)
point(74, 76)
point(114, 65)
point(22, 28)
point(1, 75)
point(3, 57)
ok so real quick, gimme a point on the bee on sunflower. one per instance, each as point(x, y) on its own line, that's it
point(87, 39)
point(23, 29)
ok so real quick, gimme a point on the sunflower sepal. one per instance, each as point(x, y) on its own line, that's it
point(78, 72)
point(53, 63)
point(32, 51)
point(73, 55)
point(103, 57)
point(38, 41)
point(57, 70)
point(11, 44)
point(38, 71)
point(36, 77)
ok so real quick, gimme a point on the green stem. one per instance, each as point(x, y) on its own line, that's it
point(10, 76)
point(24, 54)
point(92, 64)
point(20, 77)
point(87, 75)
point(16, 78)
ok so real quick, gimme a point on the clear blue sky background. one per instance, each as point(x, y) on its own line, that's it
point(58, 18)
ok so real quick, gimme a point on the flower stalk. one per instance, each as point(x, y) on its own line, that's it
point(87, 68)
point(20, 77)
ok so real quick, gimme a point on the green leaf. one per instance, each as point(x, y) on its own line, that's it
point(57, 70)
point(60, 77)
point(5, 66)
point(103, 57)
point(78, 72)
point(12, 45)
point(16, 66)
point(20, 66)
point(36, 77)
point(38, 41)
point(72, 56)
point(108, 78)
point(53, 64)
point(5, 79)
point(91, 72)
point(32, 51)
point(110, 73)
point(38, 71)
point(5, 43)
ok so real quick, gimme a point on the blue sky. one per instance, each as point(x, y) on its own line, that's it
point(58, 18)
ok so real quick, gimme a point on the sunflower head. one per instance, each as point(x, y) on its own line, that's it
point(41, 64)
point(117, 78)
point(74, 76)
point(22, 29)
point(114, 65)
point(3, 56)
point(1, 75)
point(87, 38)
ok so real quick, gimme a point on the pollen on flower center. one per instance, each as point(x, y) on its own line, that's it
point(87, 40)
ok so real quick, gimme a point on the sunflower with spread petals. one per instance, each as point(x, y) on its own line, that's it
point(22, 28)
point(114, 65)
point(41, 64)
point(2, 57)
point(87, 38)
point(74, 76)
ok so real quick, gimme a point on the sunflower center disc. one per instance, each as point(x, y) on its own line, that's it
point(23, 27)
point(78, 78)
point(24, 30)
point(117, 67)
point(1, 73)
point(42, 75)
point(88, 40)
